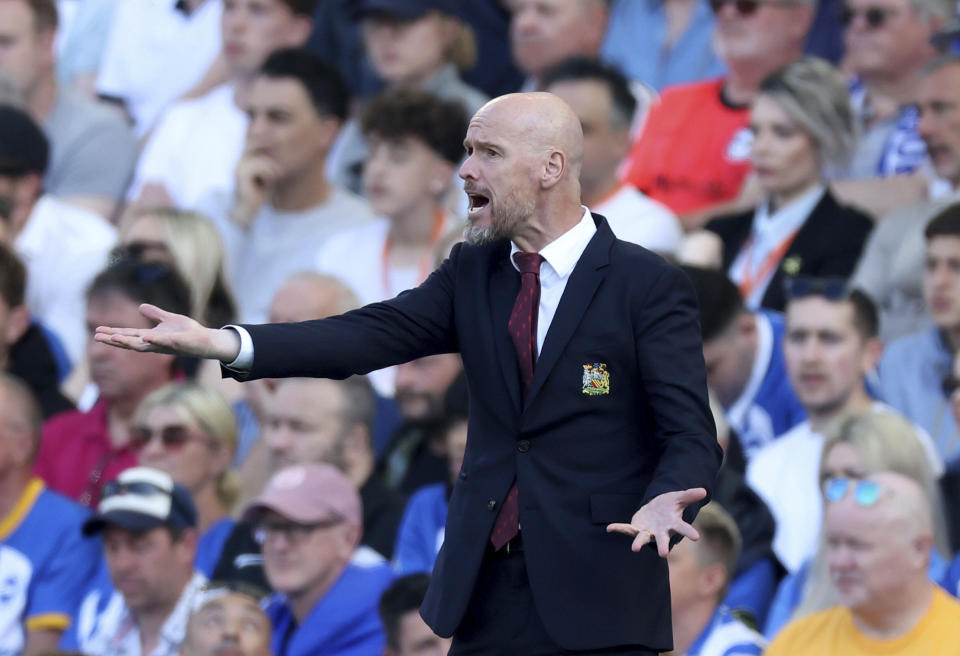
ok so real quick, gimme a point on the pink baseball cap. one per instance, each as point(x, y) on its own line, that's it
point(307, 494)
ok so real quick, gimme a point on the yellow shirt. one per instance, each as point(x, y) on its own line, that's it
point(832, 632)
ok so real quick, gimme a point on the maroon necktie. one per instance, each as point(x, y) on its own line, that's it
point(523, 331)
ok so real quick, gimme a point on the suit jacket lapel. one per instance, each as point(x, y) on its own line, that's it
point(504, 286)
point(578, 293)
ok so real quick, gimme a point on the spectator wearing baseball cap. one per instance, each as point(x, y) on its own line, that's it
point(148, 524)
point(62, 246)
point(308, 521)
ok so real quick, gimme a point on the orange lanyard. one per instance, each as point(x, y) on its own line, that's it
point(426, 261)
point(750, 281)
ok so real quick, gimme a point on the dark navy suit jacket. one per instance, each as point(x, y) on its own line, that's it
point(581, 460)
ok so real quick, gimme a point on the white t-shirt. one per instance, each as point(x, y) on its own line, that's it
point(194, 149)
point(785, 474)
point(155, 53)
point(63, 248)
point(277, 245)
point(635, 218)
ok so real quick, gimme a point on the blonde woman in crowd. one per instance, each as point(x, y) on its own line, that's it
point(189, 431)
point(859, 446)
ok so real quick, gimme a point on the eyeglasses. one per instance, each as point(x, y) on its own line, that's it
point(746, 7)
point(136, 250)
point(834, 289)
point(292, 532)
point(173, 437)
point(141, 488)
point(874, 16)
point(865, 492)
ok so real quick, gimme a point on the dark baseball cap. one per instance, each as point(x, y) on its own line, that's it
point(404, 9)
point(23, 145)
point(140, 499)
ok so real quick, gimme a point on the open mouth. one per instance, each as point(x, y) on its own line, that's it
point(477, 201)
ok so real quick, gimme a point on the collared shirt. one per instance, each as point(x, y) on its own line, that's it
point(725, 635)
point(561, 256)
point(635, 218)
point(105, 626)
point(689, 58)
point(770, 230)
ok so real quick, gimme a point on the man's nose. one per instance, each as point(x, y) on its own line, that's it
point(467, 169)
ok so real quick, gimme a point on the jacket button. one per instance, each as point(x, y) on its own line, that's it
point(491, 504)
point(523, 446)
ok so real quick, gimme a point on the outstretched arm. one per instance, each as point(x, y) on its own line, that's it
point(174, 333)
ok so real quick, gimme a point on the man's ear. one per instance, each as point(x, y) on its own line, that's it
point(553, 169)
point(712, 579)
point(18, 324)
point(872, 351)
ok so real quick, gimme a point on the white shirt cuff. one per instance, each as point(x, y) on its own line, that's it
point(244, 361)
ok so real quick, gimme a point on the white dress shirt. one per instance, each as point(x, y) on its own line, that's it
point(560, 257)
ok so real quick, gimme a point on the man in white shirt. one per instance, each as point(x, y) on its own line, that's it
point(157, 50)
point(830, 346)
point(601, 97)
point(92, 150)
point(196, 145)
point(149, 528)
point(285, 208)
point(62, 247)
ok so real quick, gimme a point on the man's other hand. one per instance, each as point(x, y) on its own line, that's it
point(174, 333)
point(661, 516)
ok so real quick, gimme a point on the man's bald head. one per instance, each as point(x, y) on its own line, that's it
point(309, 295)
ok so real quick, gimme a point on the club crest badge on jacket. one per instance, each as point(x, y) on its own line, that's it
point(596, 379)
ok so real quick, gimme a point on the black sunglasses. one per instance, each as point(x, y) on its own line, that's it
point(142, 488)
point(834, 289)
point(746, 7)
point(874, 16)
point(173, 437)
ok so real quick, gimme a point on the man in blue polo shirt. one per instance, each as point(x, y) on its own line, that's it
point(308, 521)
point(45, 564)
point(743, 351)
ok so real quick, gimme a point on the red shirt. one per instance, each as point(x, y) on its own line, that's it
point(693, 150)
point(76, 456)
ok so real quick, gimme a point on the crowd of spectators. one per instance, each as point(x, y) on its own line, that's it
point(290, 160)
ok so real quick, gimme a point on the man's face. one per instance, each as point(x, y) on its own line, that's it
point(545, 32)
point(868, 555)
point(729, 358)
point(938, 102)
point(941, 281)
point(416, 639)
point(231, 625)
point(686, 575)
point(826, 356)
point(302, 299)
point(297, 559)
point(285, 127)
point(407, 50)
point(26, 55)
point(901, 44)
point(304, 424)
point(149, 568)
point(252, 29)
point(402, 175)
point(761, 37)
point(422, 384)
point(121, 374)
point(16, 440)
point(500, 177)
point(605, 143)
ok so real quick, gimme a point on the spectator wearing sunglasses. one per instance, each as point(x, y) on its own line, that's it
point(859, 446)
point(149, 529)
point(45, 564)
point(830, 346)
point(189, 432)
point(63, 247)
point(188, 242)
point(803, 130)
point(228, 621)
point(700, 574)
point(891, 268)
point(878, 536)
point(914, 367)
point(309, 520)
point(82, 450)
point(693, 151)
point(887, 44)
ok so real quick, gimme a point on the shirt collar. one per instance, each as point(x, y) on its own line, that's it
point(563, 253)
